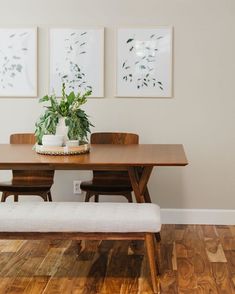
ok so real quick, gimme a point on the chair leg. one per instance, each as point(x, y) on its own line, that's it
point(129, 197)
point(149, 240)
point(49, 198)
point(4, 197)
point(45, 197)
point(96, 197)
point(88, 196)
point(16, 197)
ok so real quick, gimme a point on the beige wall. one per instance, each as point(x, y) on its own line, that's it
point(201, 115)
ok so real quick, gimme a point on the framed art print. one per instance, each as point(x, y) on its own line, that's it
point(144, 62)
point(77, 59)
point(18, 62)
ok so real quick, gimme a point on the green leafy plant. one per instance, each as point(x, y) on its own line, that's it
point(68, 107)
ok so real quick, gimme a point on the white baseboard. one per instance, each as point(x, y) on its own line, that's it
point(198, 216)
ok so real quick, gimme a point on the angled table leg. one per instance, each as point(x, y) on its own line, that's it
point(139, 180)
point(147, 196)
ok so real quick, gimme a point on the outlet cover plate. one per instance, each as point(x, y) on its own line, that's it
point(76, 187)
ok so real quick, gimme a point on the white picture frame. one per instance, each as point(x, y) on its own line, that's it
point(77, 59)
point(144, 62)
point(18, 62)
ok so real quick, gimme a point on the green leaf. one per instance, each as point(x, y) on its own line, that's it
point(71, 97)
point(129, 40)
point(43, 99)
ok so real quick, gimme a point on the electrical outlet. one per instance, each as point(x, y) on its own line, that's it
point(76, 187)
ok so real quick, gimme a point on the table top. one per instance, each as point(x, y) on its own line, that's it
point(101, 156)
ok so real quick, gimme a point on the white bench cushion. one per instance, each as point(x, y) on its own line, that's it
point(79, 217)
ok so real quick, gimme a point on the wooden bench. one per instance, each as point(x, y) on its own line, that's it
point(79, 220)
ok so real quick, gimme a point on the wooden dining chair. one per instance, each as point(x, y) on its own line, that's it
point(27, 182)
point(110, 182)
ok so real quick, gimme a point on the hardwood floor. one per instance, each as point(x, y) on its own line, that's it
point(194, 259)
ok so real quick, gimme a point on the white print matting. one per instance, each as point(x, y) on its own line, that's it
point(18, 62)
point(77, 59)
point(144, 62)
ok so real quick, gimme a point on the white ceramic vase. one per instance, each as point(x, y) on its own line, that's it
point(62, 129)
point(53, 140)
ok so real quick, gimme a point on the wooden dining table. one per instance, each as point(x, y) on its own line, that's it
point(139, 160)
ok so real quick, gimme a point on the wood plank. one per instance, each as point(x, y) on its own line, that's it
point(17, 260)
point(226, 237)
point(14, 265)
point(24, 275)
point(186, 274)
point(36, 285)
point(79, 272)
point(230, 255)
point(10, 246)
point(117, 262)
point(193, 267)
point(209, 231)
point(222, 278)
point(4, 259)
point(214, 250)
point(51, 262)
point(144, 279)
point(174, 258)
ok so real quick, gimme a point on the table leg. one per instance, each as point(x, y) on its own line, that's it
point(139, 182)
point(146, 192)
point(147, 196)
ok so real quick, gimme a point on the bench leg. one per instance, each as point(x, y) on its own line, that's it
point(149, 240)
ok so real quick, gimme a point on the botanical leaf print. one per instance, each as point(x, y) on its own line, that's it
point(76, 59)
point(11, 59)
point(73, 74)
point(141, 69)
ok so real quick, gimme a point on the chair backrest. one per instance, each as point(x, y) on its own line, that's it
point(23, 138)
point(114, 138)
point(44, 176)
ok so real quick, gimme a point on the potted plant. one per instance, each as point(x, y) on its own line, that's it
point(64, 111)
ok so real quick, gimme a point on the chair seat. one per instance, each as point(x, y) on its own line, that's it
point(24, 186)
point(106, 186)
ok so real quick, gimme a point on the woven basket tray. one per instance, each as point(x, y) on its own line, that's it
point(55, 150)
